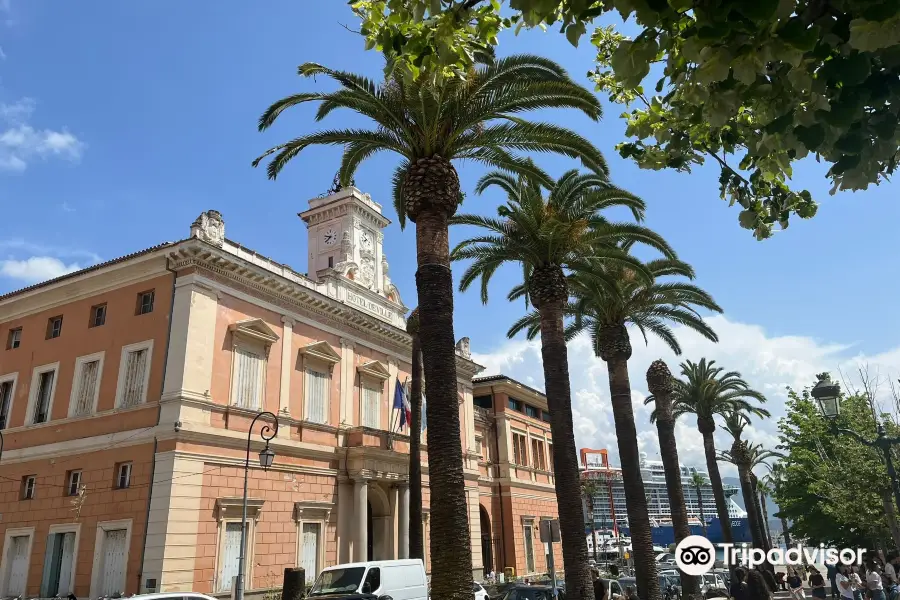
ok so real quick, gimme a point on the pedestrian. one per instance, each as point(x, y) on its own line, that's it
point(601, 590)
point(795, 585)
point(779, 579)
point(874, 585)
point(844, 585)
point(856, 583)
point(738, 588)
point(817, 583)
point(757, 588)
point(831, 572)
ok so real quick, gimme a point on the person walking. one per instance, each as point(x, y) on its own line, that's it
point(874, 585)
point(795, 585)
point(817, 583)
point(856, 583)
point(738, 588)
point(844, 584)
point(757, 587)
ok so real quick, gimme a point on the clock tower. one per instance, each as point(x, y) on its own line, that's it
point(344, 239)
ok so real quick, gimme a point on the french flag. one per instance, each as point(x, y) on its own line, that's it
point(401, 403)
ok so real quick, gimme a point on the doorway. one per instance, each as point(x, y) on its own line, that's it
point(487, 543)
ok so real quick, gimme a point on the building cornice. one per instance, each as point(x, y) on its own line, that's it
point(515, 389)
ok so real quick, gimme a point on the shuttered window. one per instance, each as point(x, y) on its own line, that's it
point(86, 388)
point(115, 558)
point(17, 558)
point(42, 401)
point(231, 551)
point(371, 400)
point(5, 400)
point(248, 378)
point(316, 396)
point(309, 560)
point(520, 450)
point(135, 374)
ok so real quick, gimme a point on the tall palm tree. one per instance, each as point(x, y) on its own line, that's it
point(659, 383)
point(777, 477)
point(430, 126)
point(707, 391)
point(416, 537)
point(604, 305)
point(760, 457)
point(740, 456)
point(550, 239)
point(589, 489)
point(698, 481)
point(764, 490)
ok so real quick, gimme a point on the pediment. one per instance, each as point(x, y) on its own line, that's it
point(254, 329)
point(375, 369)
point(321, 351)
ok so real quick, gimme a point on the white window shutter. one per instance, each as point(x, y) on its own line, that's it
point(87, 387)
point(316, 396)
point(135, 376)
point(248, 378)
point(228, 566)
point(371, 402)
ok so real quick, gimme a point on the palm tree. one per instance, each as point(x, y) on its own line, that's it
point(604, 305)
point(589, 489)
point(698, 481)
point(416, 537)
point(659, 383)
point(550, 239)
point(776, 478)
point(764, 489)
point(708, 392)
point(740, 456)
point(761, 457)
point(430, 126)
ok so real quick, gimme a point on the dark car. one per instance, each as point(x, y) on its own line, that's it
point(532, 592)
point(669, 587)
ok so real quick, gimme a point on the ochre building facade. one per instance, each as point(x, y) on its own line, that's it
point(127, 391)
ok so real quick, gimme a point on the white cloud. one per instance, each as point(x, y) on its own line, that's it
point(20, 141)
point(19, 245)
point(36, 268)
point(768, 363)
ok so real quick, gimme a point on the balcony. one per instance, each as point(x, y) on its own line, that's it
point(366, 437)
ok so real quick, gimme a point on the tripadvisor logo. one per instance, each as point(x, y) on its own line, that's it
point(695, 555)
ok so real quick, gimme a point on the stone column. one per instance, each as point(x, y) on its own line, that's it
point(348, 374)
point(345, 524)
point(360, 520)
point(403, 526)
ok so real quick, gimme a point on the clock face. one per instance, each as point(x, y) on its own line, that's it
point(330, 237)
point(366, 240)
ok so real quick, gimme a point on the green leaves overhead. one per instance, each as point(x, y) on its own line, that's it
point(753, 86)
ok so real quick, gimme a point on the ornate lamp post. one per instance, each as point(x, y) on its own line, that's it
point(827, 394)
point(266, 458)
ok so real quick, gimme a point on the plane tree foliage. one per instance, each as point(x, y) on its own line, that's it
point(753, 86)
point(833, 487)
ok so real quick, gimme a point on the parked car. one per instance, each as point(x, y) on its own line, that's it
point(399, 579)
point(521, 591)
point(171, 596)
point(480, 592)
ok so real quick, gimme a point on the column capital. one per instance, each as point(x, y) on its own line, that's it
point(288, 322)
point(402, 485)
point(347, 343)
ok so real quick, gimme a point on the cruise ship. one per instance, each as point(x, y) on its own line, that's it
point(610, 512)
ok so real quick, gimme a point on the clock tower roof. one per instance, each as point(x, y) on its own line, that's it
point(348, 201)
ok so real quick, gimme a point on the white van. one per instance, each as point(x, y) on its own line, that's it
point(398, 579)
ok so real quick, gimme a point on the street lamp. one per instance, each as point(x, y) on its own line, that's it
point(827, 394)
point(266, 458)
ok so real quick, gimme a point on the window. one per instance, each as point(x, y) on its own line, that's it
point(98, 315)
point(86, 385)
point(520, 450)
point(59, 561)
point(228, 561)
point(532, 412)
point(145, 302)
point(28, 487)
point(316, 396)
point(529, 546)
point(515, 405)
point(311, 543)
point(545, 416)
point(134, 374)
point(550, 455)
point(40, 401)
point(123, 476)
point(110, 558)
point(330, 262)
point(371, 403)
point(73, 482)
point(7, 389)
point(248, 377)
point(54, 327)
point(16, 560)
point(14, 340)
point(483, 401)
point(537, 453)
point(372, 582)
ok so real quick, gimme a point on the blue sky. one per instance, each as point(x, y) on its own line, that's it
point(121, 121)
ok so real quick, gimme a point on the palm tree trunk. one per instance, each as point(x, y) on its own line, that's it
point(765, 518)
point(715, 480)
point(416, 539)
point(754, 491)
point(451, 577)
point(750, 506)
point(668, 449)
point(554, 354)
point(702, 512)
point(785, 531)
point(629, 456)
